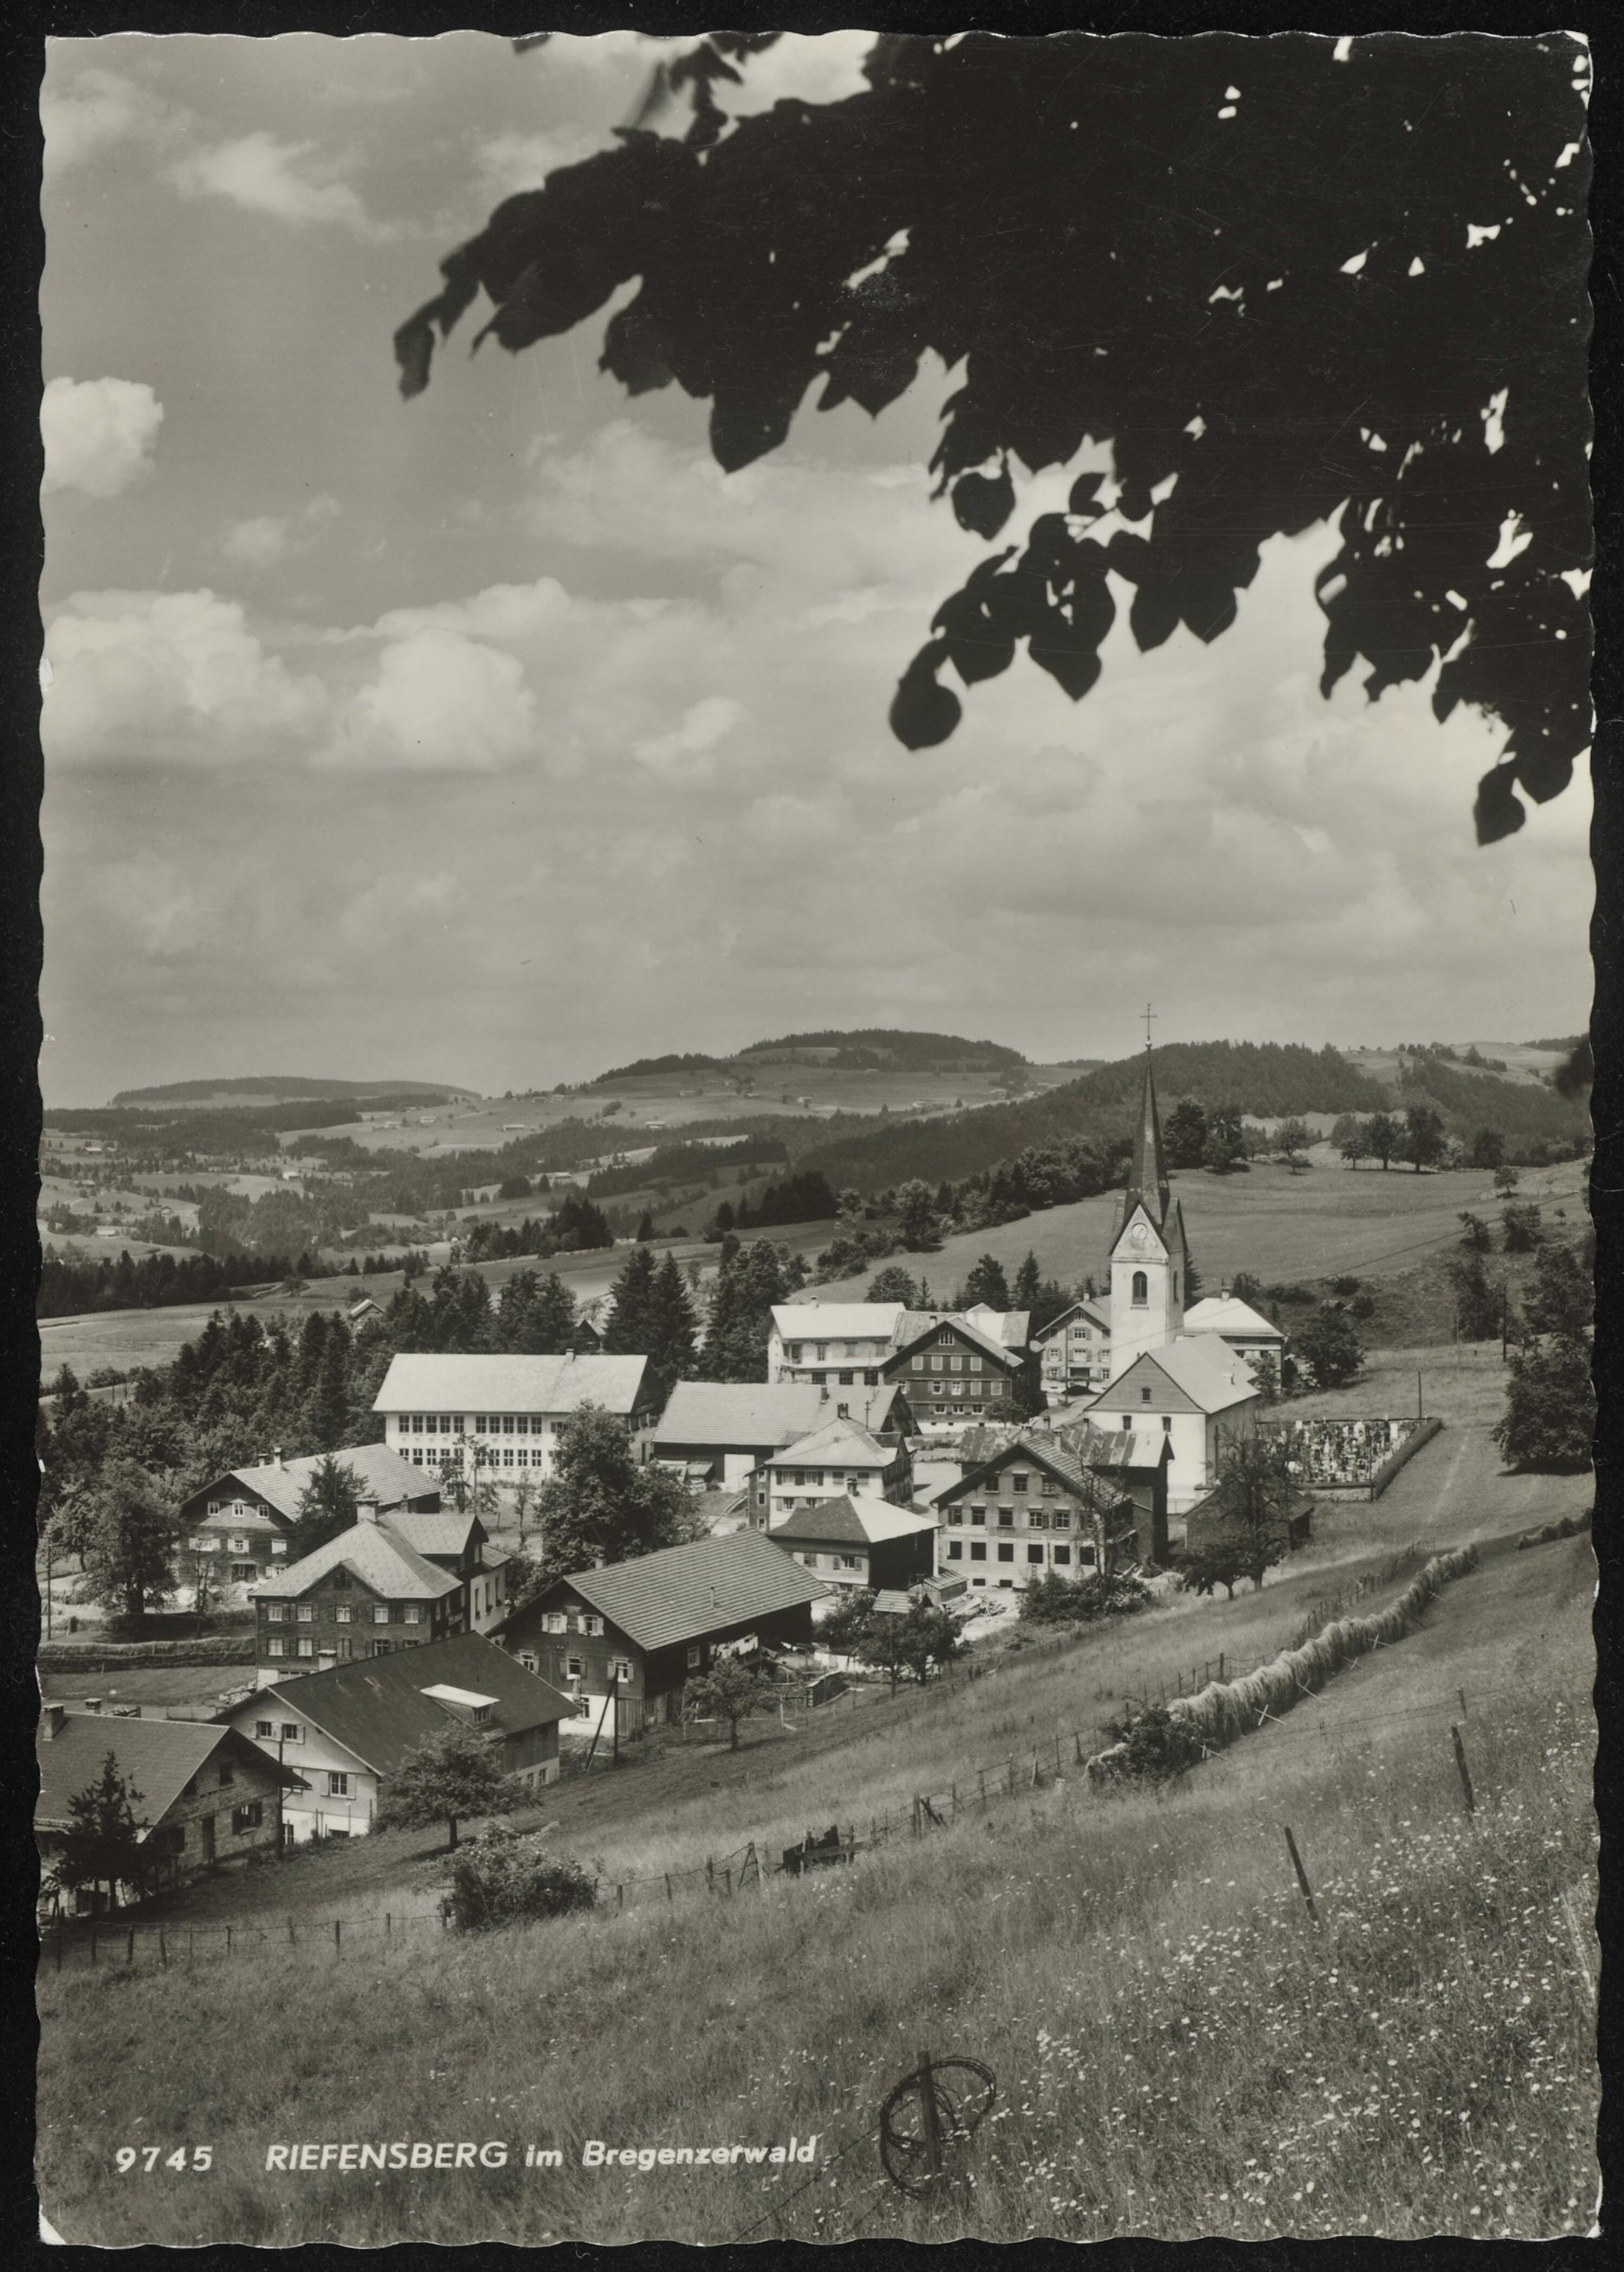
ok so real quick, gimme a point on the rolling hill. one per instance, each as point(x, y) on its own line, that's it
point(284, 1089)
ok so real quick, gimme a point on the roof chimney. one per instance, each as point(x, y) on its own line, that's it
point(51, 1726)
point(277, 1456)
point(93, 1703)
point(366, 1510)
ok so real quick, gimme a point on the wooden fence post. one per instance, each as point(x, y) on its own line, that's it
point(1302, 1875)
point(1077, 1740)
point(709, 1874)
point(130, 1947)
point(163, 1950)
point(386, 1924)
point(1465, 1772)
point(620, 1898)
point(727, 1874)
point(336, 1930)
point(228, 1941)
point(669, 1894)
point(1034, 1782)
point(1220, 1664)
point(955, 1802)
point(1057, 1756)
point(982, 1784)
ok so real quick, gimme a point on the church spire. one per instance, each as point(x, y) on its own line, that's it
point(1147, 1175)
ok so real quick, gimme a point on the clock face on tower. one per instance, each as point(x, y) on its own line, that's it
point(1136, 1236)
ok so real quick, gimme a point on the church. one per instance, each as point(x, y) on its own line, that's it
point(1186, 1374)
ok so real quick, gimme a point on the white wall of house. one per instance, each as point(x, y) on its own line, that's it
point(346, 1804)
point(508, 1448)
point(790, 1487)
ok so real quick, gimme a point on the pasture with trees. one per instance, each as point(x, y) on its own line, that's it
point(447, 1777)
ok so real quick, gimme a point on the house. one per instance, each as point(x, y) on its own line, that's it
point(1197, 1390)
point(1248, 1333)
point(502, 1416)
point(344, 1731)
point(1208, 1529)
point(1137, 1463)
point(236, 1529)
point(360, 1312)
point(206, 1796)
point(365, 1594)
point(728, 1429)
point(1074, 1351)
point(641, 1630)
point(1032, 1508)
point(837, 1344)
point(840, 1456)
point(853, 1543)
point(956, 1372)
point(460, 1543)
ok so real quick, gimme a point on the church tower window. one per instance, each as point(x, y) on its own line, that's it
point(1142, 1290)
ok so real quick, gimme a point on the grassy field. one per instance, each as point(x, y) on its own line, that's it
point(1179, 2050)
point(1281, 1227)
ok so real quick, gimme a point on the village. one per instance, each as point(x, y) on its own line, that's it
point(905, 1487)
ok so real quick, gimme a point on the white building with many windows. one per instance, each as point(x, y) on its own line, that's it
point(501, 1417)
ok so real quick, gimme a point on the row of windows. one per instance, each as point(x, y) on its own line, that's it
point(966, 1388)
point(289, 1732)
point(343, 1647)
point(796, 1350)
point(956, 1364)
point(574, 1667)
point(474, 1424)
point(384, 1613)
point(1060, 1556)
point(831, 1562)
point(799, 1478)
point(211, 1542)
point(1037, 1517)
point(557, 1621)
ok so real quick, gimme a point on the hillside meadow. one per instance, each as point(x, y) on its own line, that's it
point(1179, 2048)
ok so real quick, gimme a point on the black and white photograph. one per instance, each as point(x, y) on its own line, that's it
point(815, 1280)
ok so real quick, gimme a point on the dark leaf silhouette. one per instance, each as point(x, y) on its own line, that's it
point(1287, 282)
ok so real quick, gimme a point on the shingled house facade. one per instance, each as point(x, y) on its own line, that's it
point(1030, 1510)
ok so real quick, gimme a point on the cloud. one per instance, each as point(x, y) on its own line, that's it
point(97, 109)
point(175, 678)
point(98, 434)
point(507, 163)
point(270, 538)
point(688, 751)
point(440, 702)
point(290, 181)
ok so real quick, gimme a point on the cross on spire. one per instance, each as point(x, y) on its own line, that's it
point(1149, 1015)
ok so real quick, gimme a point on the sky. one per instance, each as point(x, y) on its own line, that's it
point(498, 737)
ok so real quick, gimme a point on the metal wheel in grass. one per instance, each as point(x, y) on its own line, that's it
point(928, 2118)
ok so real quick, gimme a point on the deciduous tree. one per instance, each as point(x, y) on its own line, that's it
point(1327, 1345)
point(448, 1776)
point(130, 1543)
point(731, 1690)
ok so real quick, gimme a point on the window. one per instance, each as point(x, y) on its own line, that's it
point(956, 1549)
point(413, 1616)
point(1142, 1290)
point(994, 1388)
point(1062, 1556)
point(977, 1550)
point(277, 1648)
point(1167, 1423)
point(241, 1573)
point(846, 1379)
point(293, 1732)
point(380, 1613)
point(343, 1613)
point(575, 1668)
point(944, 1339)
point(239, 1546)
point(978, 1515)
point(279, 1546)
point(345, 1646)
point(591, 1625)
point(791, 1350)
point(845, 1562)
point(507, 1423)
point(1037, 1518)
point(1127, 1423)
point(263, 1728)
point(380, 1648)
point(342, 1580)
point(871, 1379)
point(693, 1658)
point(1019, 1483)
point(1006, 1518)
point(1144, 1395)
point(955, 1514)
point(1049, 1487)
point(338, 1783)
point(621, 1670)
point(203, 1545)
point(1005, 1553)
point(937, 1364)
point(215, 1507)
point(956, 1364)
point(306, 1614)
point(248, 1817)
point(975, 1364)
point(307, 1648)
point(917, 1365)
point(527, 1658)
point(554, 1621)
point(1062, 1518)
point(1086, 1555)
point(1034, 1553)
point(227, 1774)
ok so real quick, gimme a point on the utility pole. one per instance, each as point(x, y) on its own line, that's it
point(1505, 1321)
point(1420, 1408)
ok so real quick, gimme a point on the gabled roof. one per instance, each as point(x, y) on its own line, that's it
point(835, 1321)
point(919, 1328)
point(853, 1522)
point(456, 1383)
point(1095, 1447)
point(1044, 1450)
point(682, 1592)
point(1223, 1313)
point(1097, 1312)
point(442, 1532)
point(377, 1707)
point(1012, 1328)
point(760, 1415)
point(383, 1474)
point(837, 1443)
point(1203, 1365)
point(379, 1559)
point(157, 1758)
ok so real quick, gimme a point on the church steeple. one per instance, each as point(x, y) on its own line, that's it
point(1147, 1175)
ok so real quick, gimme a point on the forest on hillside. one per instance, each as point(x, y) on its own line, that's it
point(897, 1046)
point(1521, 1112)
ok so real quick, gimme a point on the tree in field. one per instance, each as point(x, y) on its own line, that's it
point(916, 1209)
point(987, 1283)
point(1383, 1138)
point(499, 1877)
point(130, 1541)
point(893, 1284)
point(882, 1644)
point(927, 1637)
point(327, 1505)
point(1291, 1141)
point(842, 1631)
point(1506, 1181)
point(599, 1505)
point(1185, 1136)
point(1550, 1416)
point(102, 1843)
point(1330, 342)
point(731, 1690)
point(645, 1225)
point(446, 1777)
point(1327, 1345)
point(1028, 1283)
point(1520, 1229)
point(1562, 1298)
point(1210, 1567)
point(1425, 1141)
point(721, 1222)
point(1489, 1149)
point(750, 1280)
point(1224, 1152)
point(1250, 1502)
point(1479, 1305)
point(1476, 1237)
